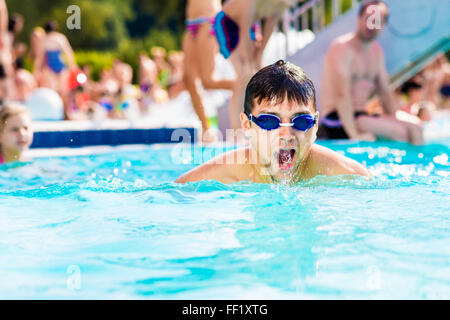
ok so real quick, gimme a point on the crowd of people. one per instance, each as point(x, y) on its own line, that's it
point(239, 30)
point(54, 67)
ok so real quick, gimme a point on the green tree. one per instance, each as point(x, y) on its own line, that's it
point(102, 21)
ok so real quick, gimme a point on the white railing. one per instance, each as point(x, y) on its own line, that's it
point(311, 13)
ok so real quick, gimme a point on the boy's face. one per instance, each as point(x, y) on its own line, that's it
point(17, 134)
point(283, 150)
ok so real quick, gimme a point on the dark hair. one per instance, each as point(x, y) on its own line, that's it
point(365, 4)
point(50, 26)
point(13, 20)
point(278, 81)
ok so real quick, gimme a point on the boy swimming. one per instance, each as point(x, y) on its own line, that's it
point(281, 121)
point(16, 134)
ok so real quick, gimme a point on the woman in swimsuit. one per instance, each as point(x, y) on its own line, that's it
point(54, 69)
point(200, 48)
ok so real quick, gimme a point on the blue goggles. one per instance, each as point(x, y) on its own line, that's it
point(302, 122)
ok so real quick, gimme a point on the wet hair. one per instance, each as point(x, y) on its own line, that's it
point(50, 26)
point(365, 4)
point(277, 82)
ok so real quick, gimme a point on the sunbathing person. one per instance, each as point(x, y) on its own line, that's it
point(354, 67)
point(280, 119)
point(16, 134)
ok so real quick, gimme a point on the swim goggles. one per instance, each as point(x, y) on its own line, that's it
point(302, 122)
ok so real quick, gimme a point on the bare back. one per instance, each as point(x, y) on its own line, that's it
point(202, 8)
point(54, 41)
point(350, 69)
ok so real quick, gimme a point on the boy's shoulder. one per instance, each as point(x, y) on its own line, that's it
point(226, 168)
point(324, 161)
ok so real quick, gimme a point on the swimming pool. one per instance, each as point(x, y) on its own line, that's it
point(115, 225)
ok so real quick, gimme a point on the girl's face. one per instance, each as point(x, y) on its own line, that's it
point(17, 134)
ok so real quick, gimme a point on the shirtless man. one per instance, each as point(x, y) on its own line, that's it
point(236, 28)
point(200, 48)
point(354, 67)
point(281, 121)
point(55, 71)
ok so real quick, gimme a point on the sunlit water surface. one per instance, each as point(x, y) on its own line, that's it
point(116, 226)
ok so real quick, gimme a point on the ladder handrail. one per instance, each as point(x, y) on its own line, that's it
point(293, 14)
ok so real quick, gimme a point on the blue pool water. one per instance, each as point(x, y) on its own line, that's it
point(116, 226)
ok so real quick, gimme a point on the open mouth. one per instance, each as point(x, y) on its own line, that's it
point(286, 159)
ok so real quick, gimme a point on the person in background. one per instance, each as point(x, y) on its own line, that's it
point(240, 36)
point(354, 67)
point(150, 90)
point(24, 81)
point(159, 58)
point(176, 84)
point(6, 57)
point(36, 37)
point(25, 84)
point(416, 103)
point(15, 27)
point(437, 81)
point(16, 134)
point(55, 70)
point(200, 48)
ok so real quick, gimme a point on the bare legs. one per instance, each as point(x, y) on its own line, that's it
point(392, 128)
point(199, 64)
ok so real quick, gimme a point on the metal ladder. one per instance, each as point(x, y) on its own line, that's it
point(312, 15)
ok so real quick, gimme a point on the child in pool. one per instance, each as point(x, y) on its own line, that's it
point(281, 121)
point(16, 134)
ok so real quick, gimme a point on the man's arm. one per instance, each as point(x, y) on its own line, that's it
point(269, 24)
point(245, 23)
point(339, 65)
point(382, 84)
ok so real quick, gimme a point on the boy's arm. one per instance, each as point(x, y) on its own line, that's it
point(208, 171)
point(324, 161)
